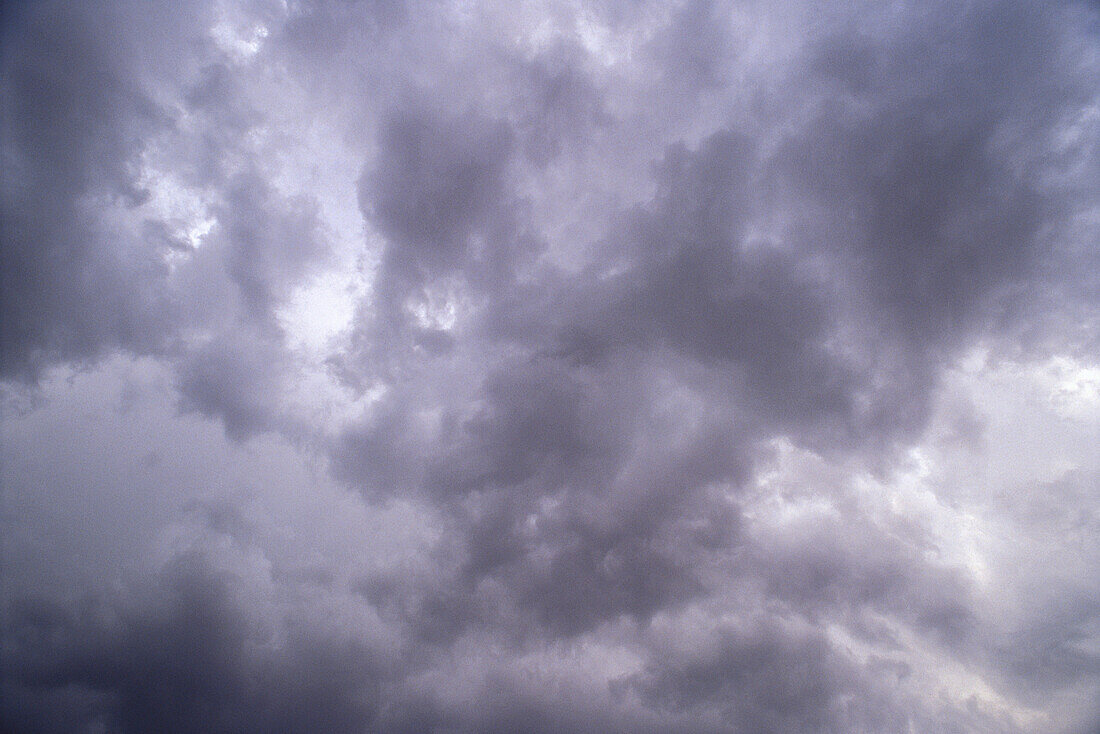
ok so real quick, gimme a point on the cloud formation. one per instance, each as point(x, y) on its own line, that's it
point(550, 366)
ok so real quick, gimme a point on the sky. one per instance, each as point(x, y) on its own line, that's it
point(519, 366)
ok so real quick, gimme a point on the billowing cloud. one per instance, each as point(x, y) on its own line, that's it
point(419, 366)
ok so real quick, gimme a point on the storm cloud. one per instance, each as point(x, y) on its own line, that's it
point(550, 366)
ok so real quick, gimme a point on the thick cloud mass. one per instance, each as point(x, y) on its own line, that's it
point(550, 366)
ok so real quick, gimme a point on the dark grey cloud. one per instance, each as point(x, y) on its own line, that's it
point(72, 119)
point(187, 658)
point(232, 378)
point(79, 117)
point(424, 366)
point(434, 186)
point(794, 682)
point(90, 264)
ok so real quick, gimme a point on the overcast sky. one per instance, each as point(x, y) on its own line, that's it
point(513, 366)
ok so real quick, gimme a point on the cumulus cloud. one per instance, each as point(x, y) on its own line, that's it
point(416, 366)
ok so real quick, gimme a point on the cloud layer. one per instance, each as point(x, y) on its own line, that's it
point(417, 366)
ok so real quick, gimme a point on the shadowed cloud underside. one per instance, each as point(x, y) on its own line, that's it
point(407, 366)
